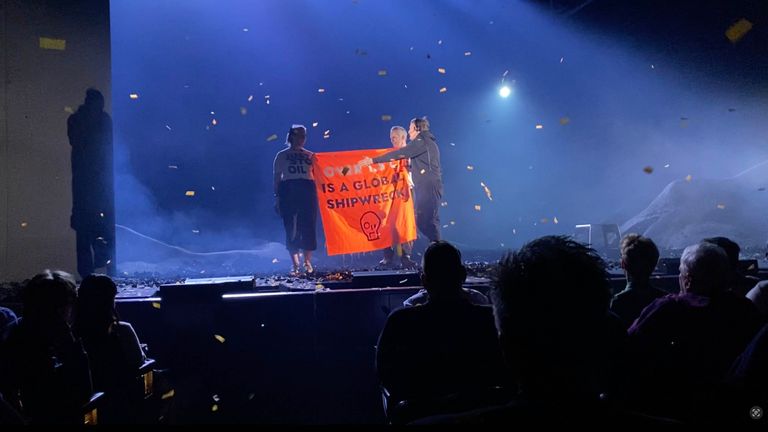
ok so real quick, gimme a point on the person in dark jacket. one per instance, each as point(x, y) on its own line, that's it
point(93, 196)
point(426, 172)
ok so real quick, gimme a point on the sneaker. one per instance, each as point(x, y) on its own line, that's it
point(407, 262)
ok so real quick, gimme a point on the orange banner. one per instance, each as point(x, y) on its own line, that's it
point(363, 208)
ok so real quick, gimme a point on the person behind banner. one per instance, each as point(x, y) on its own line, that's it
point(398, 135)
point(296, 197)
point(427, 177)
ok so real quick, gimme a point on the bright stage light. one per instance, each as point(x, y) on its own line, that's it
point(505, 91)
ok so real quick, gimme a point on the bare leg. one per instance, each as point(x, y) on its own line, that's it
point(307, 261)
point(295, 262)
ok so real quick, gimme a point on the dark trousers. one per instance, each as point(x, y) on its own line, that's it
point(298, 208)
point(94, 250)
point(427, 198)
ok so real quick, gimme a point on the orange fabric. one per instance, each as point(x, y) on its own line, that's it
point(363, 208)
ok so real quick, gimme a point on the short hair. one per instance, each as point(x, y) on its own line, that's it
point(730, 247)
point(552, 284)
point(292, 131)
point(706, 264)
point(442, 265)
point(399, 130)
point(95, 305)
point(47, 293)
point(421, 123)
point(640, 255)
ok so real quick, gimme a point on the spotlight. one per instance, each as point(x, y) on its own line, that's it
point(505, 91)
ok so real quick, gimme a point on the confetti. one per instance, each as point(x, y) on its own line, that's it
point(422, 171)
point(314, 124)
point(272, 137)
point(156, 305)
point(443, 89)
point(487, 191)
point(173, 167)
point(562, 59)
point(53, 44)
point(403, 281)
point(24, 224)
point(453, 222)
point(514, 231)
point(386, 117)
point(266, 99)
point(648, 169)
point(69, 109)
point(250, 98)
point(441, 70)
point(555, 220)
point(688, 178)
point(470, 168)
point(251, 396)
point(453, 144)
point(168, 394)
point(344, 170)
point(506, 72)
point(564, 121)
point(666, 166)
point(274, 261)
point(539, 126)
point(213, 188)
point(319, 286)
point(133, 95)
point(653, 67)
point(444, 204)
point(168, 127)
point(440, 42)
point(213, 113)
point(221, 339)
point(214, 408)
point(502, 244)
point(195, 231)
point(467, 53)
point(738, 30)
point(214, 122)
point(189, 193)
point(321, 90)
point(327, 134)
point(245, 29)
point(243, 110)
point(445, 226)
point(382, 72)
point(721, 206)
point(477, 207)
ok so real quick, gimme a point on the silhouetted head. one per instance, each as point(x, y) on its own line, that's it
point(418, 125)
point(550, 300)
point(95, 305)
point(297, 136)
point(443, 273)
point(730, 247)
point(639, 256)
point(704, 270)
point(49, 297)
point(94, 100)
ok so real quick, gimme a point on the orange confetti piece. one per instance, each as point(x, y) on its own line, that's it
point(738, 30)
point(477, 207)
point(441, 70)
point(648, 169)
point(189, 193)
point(133, 95)
point(538, 126)
point(168, 394)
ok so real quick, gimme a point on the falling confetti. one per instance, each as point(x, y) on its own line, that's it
point(319, 286)
point(445, 226)
point(470, 168)
point(250, 98)
point(274, 261)
point(565, 120)
point(538, 126)
point(272, 137)
point(243, 110)
point(173, 167)
point(562, 59)
point(453, 222)
point(382, 72)
point(453, 144)
point(219, 338)
point(648, 169)
point(327, 134)
point(266, 99)
point(721, 206)
point(195, 231)
point(52, 44)
point(214, 122)
point(403, 281)
point(422, 171)
point(69, 109)
point(441, 70)
point(506, 72)
point(443, 89)
point(189, 193)
point(666, 166)
point(514, 231)
point(213, 188)
point(314, 124)
point(467, 53)
point(214, 408)
point(555, 220)
point(477, 207)
point(321, 90)
point(653, 67)
point(24, 224)
point(444, 204)
point(487, 191)
point(738, 30)
point(168, 127)
point(245, 29)
point(386, 117)
point(156, 305)
point(688, 178)
point(168, 394)
point(133, 95)
point(440, 42)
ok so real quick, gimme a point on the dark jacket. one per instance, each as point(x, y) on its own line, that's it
point(425, 159)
